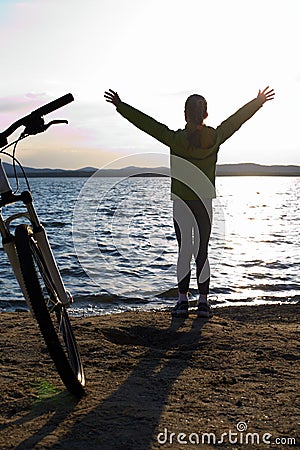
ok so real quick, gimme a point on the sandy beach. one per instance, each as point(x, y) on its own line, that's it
point(155, 383)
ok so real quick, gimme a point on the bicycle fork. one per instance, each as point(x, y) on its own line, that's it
point(39, 233)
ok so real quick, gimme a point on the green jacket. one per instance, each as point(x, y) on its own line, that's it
point(193, 169)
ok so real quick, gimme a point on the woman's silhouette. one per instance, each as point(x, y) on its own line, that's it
point(194, 152)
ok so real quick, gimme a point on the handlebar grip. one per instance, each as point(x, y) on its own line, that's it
point(52, 106)
point(42, 111)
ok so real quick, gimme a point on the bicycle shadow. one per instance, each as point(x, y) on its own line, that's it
point(137, 405)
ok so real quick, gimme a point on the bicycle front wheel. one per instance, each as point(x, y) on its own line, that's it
point(50, 313)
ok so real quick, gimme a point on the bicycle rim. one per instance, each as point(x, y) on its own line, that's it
point(50, 313)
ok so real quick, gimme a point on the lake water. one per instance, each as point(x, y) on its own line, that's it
point(114, 242)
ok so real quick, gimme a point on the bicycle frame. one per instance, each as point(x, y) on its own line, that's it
point(7, 197)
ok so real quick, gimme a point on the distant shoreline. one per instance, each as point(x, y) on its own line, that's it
point(223, 170)
point(87, 175)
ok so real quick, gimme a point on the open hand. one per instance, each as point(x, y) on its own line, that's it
point(266, 95)
point(112, 97)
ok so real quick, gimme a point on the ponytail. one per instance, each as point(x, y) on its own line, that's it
point(195, 112)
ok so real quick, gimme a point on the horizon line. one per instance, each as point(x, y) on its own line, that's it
point(92, 168)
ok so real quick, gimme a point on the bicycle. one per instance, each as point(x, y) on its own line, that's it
point(32, 259)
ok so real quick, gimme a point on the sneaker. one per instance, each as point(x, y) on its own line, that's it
point(181, 310)
point(204, 310)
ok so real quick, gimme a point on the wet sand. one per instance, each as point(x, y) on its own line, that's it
point(149, 376)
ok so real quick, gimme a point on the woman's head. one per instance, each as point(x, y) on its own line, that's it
point(195, 110)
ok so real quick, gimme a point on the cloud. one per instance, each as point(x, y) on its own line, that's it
point(23, 102)
point(45, 56)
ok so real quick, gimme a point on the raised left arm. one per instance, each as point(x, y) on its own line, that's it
point(142, 121)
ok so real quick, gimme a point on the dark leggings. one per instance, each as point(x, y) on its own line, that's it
point(192, 222)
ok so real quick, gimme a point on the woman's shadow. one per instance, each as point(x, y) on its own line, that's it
point(129, 417)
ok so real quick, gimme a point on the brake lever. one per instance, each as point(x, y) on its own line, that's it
point(54, 122)
point(38, 125)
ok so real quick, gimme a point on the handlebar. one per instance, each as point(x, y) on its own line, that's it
point(55, 104)
point(34, 116)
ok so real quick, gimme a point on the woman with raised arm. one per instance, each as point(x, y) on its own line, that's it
point(194, 152)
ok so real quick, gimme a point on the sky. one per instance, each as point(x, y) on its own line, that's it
point(155, 54)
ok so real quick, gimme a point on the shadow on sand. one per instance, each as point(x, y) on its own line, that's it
point(136, 405)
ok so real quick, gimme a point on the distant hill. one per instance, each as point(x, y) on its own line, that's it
point(249, 169)
point(257, 169)
point(47, 172)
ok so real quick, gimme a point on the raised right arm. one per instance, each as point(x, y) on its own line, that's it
point(234, 122)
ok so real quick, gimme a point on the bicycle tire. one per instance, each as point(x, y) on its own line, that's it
point(49, 312)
